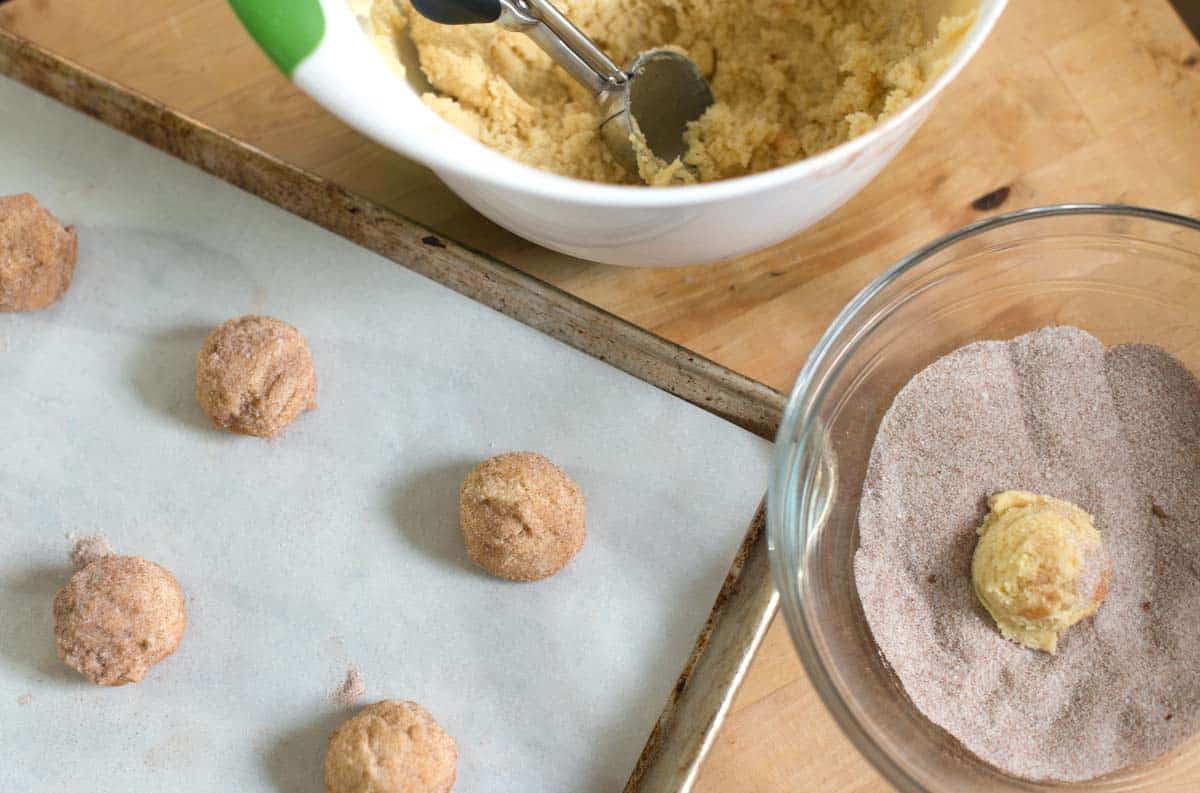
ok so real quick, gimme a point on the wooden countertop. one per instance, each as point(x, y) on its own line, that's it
point(1075, 100)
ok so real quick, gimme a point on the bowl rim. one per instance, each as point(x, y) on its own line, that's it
point(787, 585)
point(491, 167)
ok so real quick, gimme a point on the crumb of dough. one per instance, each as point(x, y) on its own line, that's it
point(351, 688)
point(117, 617)
point(255, 375)
point(390, 747)
point(88, 549)
point(25, 699)
point(522, 516)
point(790, 79)
point(37, 254)
point(1040, 567)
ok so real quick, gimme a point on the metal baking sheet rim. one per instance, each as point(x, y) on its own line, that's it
point(746, 604)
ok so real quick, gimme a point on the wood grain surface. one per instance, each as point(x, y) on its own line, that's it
point(1074, 100)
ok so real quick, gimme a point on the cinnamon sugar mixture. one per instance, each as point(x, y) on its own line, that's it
point(1116, 431)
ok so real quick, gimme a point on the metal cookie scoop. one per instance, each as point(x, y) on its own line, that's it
point(657, 97)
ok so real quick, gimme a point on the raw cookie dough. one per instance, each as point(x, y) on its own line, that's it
point(37, 255)
point(790, 79)
point(117, 617)
point(521, 516)
point(390, 747)
point(1039, 568)
point(255, 375)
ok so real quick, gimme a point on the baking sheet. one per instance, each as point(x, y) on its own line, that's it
point(336, 545)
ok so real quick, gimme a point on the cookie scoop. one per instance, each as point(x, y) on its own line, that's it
point(646, 109)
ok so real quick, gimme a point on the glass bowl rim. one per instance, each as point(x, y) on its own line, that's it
point(785, 572)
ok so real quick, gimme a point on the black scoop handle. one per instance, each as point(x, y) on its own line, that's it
point(458, 12)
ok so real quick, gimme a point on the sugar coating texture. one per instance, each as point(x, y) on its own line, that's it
point(37, 255)
point(390, 747)
point(1114, 431)
point(522, 517)
point(255, 375)
point(351, 689)
point(790, 79)
point(88, 549)
point(117, 617)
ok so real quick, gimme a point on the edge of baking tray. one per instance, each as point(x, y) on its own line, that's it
point(675, 748)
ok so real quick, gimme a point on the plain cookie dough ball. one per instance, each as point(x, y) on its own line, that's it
point(521, 516)
point(37, 255)
point(255, 375)
point(1040, 567)
point(117, 617)
point(390, 747)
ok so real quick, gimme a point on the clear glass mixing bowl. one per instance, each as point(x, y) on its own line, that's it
point(1122, 273)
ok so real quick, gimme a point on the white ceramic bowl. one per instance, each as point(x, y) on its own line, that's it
point(320, 44)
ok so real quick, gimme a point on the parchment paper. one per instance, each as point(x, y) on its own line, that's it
point(338, 544)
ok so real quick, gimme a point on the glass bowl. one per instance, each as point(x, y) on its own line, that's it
point(1122, 273)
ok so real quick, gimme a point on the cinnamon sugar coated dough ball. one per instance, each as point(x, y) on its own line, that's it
point(390, 747)
point(117, 617)
point(37, 255)
point(1040, 567)
point(521, 516)
point(255, 375)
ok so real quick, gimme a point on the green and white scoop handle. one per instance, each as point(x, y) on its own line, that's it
point(321, 46)
point(661, 93)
